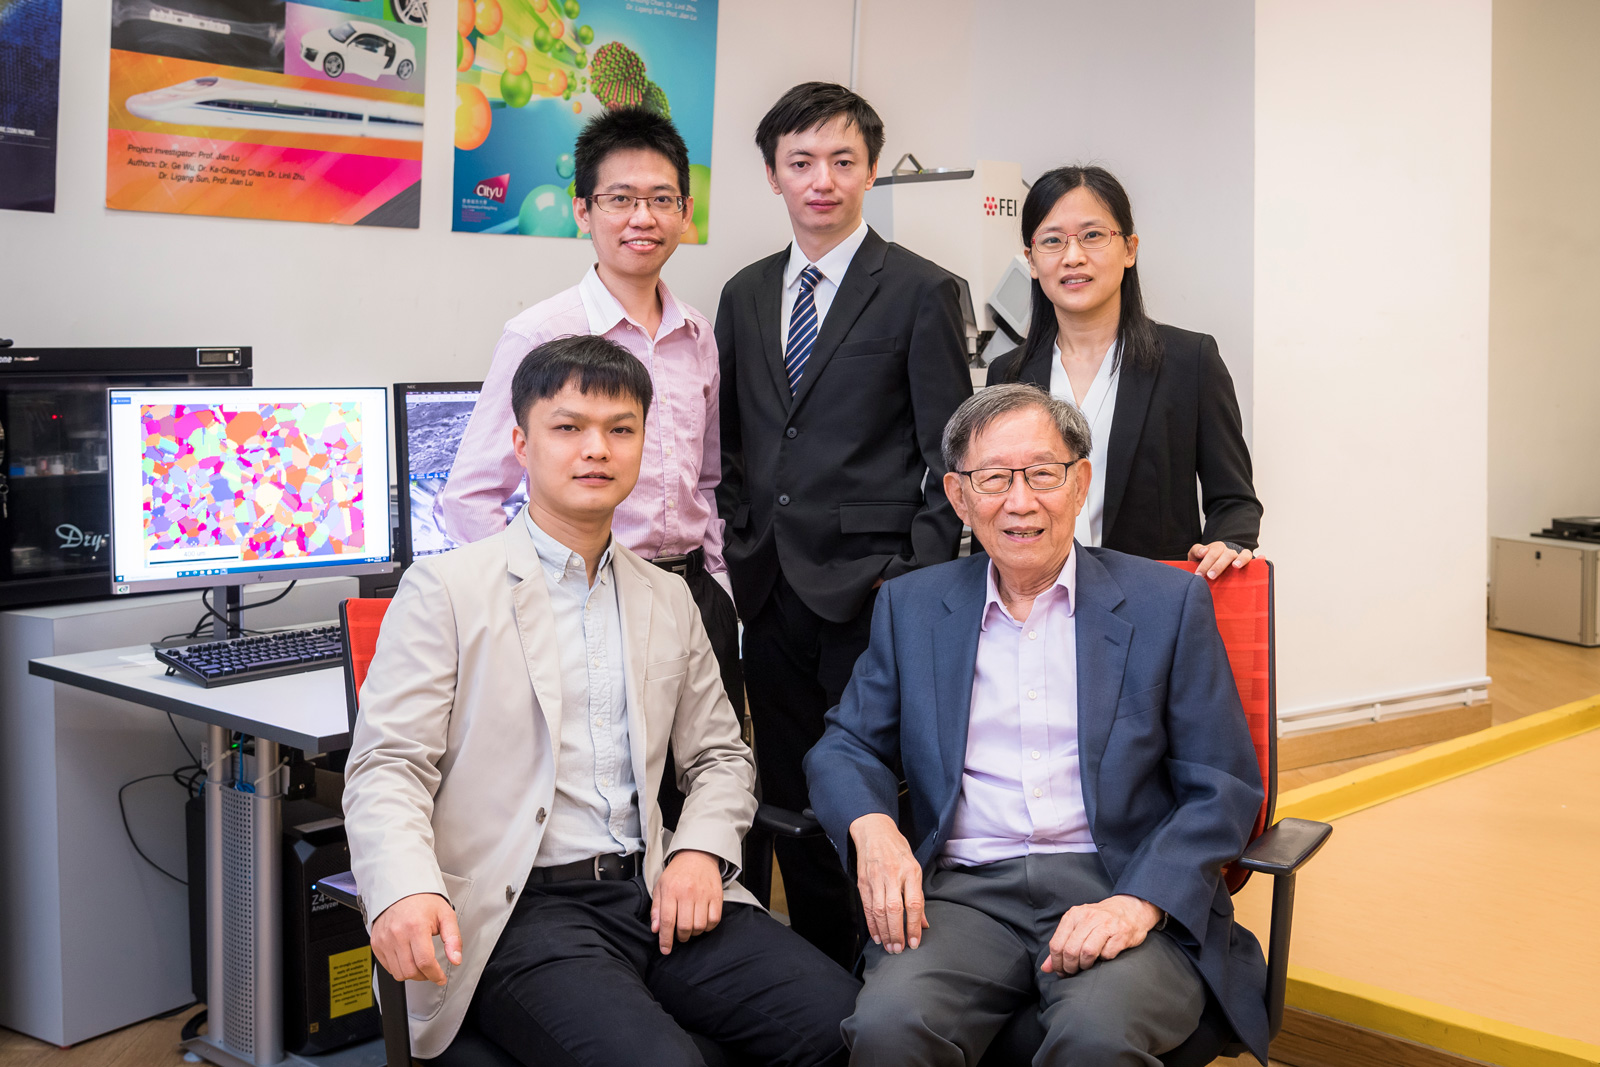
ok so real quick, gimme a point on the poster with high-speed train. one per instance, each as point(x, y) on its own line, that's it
point(300, 111)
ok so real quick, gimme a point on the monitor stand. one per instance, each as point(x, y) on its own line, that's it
point(225, 601)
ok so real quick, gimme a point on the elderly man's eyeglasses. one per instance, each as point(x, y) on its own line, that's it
point(622, 203)
point(1040, 477)
point(1053, 244)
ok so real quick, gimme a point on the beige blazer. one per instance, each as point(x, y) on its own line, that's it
point(452, 763)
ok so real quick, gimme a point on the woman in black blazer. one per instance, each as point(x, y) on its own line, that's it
point(1159, 400)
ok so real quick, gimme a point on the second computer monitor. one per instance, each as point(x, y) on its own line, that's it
point(430, 421)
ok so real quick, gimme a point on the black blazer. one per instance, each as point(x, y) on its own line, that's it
point(1170, 424)
point(829, 485)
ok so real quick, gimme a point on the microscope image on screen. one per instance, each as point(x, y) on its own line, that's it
point(434, 420)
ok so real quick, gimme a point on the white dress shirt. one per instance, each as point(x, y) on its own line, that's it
point(832, 265)
point(596, 807)
point(1099, 407)
point(1021, 783)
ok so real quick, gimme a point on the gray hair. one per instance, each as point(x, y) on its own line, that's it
point(983, 408)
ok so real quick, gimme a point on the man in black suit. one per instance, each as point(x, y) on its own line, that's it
point(842, 358)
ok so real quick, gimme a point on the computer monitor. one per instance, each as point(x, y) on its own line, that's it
point(219, 486)
point(430, 419)
point(1012, 299)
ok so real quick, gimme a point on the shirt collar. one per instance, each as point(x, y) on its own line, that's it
point(605, 312)
point(561, 561)
point(832, 265)
point(1109, 366)
point(1066, 582)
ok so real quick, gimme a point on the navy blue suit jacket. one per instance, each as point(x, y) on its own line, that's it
point(1170, 779)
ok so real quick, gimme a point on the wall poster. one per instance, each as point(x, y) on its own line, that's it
point(305, 111)
point(30, 78)
point(530, 73)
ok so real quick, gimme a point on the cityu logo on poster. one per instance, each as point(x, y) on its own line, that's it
point(994, 206)
point(494, 188)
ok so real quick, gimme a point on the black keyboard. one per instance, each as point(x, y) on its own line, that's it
point(246, 659)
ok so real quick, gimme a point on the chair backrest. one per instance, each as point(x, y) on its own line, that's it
point(360, 618)
point(1243, 602)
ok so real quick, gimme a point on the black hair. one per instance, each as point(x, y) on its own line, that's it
point(624, 128)
point(813, 104)
point(599, 365)
point(1138, 340)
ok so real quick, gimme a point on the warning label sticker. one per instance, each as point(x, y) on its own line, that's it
point(349, 981)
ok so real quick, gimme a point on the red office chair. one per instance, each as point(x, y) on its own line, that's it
point(1244, 609)
point(361, 620)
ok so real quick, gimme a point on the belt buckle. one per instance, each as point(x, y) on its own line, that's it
point(597, 876)
point(678, 565)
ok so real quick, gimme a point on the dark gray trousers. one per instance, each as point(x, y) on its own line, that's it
point(989, 931)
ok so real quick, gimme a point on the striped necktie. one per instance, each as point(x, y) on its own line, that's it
point(802, 328)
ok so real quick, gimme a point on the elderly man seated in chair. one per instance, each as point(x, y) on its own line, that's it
point(502, 780)
point(1079, 771)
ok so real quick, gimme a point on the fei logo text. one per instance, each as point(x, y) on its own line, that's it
point(996, 206)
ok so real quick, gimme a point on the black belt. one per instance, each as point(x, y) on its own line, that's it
point(687, 565)
point(611, 868)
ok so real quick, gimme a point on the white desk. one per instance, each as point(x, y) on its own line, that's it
point(304, 711)
point(244, 932)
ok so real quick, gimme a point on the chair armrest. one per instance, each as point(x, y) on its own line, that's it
point(1281, 852)
point(781, 822)
point(1285, 847)
point(339, 887)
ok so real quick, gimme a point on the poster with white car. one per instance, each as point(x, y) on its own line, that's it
point(303, 111)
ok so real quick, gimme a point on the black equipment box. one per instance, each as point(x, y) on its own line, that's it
point(1574, 528)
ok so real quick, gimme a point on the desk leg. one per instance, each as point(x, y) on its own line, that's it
point(267, 819)
point(244, 909)
point(218, 772)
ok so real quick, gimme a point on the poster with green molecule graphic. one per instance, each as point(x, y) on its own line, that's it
point(530, 73)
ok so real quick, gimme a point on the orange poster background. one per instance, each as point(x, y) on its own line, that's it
point(243, 173)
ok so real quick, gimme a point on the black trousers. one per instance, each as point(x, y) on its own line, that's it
point(577, 978)
point(721, 621)
point(799, 664)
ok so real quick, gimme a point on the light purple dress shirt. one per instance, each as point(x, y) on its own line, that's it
point(596, 807)
point(1021, 790)
point(672, 510)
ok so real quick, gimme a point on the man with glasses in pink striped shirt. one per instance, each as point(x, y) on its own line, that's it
point(632, 181)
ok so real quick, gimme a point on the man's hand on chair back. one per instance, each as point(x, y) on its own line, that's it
point(402, 938)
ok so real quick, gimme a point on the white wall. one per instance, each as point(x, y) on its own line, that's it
point(1361, 345)
point(1160, 92)
point(1371, 340)
point(1544, 256)
point(362, 305)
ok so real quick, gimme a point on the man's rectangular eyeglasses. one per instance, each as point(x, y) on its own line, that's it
point(622, 203)
point(1040, 477)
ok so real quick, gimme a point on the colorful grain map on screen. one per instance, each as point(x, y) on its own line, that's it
point(273, 482)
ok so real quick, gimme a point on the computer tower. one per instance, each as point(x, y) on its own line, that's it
point(327, 960)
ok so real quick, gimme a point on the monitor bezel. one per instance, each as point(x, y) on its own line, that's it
point(285, 573)
point(402, 449)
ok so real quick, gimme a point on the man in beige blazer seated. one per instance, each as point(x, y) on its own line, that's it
point(502, 779)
